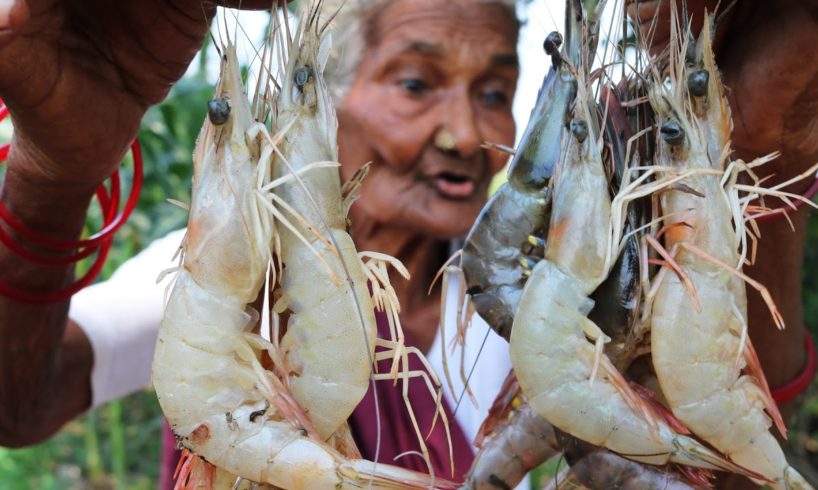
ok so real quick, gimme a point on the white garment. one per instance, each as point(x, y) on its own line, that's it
point(121, 319)
point(485, 360)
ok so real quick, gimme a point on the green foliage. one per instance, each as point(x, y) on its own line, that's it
point(84, 454)
point(804, 435)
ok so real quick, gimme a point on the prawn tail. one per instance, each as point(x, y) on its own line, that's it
point(794, 481)
point(692, 453)
point(698, 476)
point(382, 476)
point(193, 472)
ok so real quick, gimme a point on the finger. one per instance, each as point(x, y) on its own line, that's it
point(13, 17)
point(654, 19)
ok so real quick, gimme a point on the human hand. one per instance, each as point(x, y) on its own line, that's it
point(78, 75)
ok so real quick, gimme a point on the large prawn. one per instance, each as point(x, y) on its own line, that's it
point(208, 370)
point(699, 325)
point(523, 439)
point(332, 326)
point(513, 224)
point(568, 380)
point(497, 244)
point(515, 438)
point(499, 252)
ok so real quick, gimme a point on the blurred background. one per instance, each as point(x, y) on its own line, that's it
point(117, 446)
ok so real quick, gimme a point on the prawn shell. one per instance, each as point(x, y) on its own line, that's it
point(500, 234)
point(553, 366)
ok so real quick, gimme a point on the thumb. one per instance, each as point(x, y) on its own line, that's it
point(13, 16)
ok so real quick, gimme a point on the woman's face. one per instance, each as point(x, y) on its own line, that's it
point(435, 82)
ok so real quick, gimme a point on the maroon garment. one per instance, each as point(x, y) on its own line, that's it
point(170, 458)
point(397, 435)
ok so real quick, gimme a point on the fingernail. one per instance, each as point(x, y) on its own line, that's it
point(5, 13)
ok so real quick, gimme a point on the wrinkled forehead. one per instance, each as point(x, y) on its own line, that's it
point(435, 28)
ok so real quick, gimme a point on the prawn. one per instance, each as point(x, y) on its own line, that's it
point(699, 343)
point(604, 470)
point(551, 328)
point(513, 224)
point(495, 248)
point(332, 326)
point(329, 326)
point(513, 440)
point(221, 402)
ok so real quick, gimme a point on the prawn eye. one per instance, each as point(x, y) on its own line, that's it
point(218, 111)
point(697, 82)
point(672, 133)
point(552, 43)
point(579, 129)
point(302, 76)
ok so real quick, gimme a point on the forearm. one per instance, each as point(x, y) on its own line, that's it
point(46, 366)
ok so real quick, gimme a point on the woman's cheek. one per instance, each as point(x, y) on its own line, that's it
point(498, 128)
point(399, 140)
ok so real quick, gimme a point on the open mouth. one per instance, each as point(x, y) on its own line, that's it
point(455, 186)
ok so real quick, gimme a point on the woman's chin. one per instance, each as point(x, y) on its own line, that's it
point(423, 209)
point(447, 219)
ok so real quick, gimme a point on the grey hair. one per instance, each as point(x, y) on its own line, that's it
point(350, 25)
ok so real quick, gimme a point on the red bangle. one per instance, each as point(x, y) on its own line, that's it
point(59, 295)
point(803, 379)
point(99, 242)
point(107, 230)
point(108, 205)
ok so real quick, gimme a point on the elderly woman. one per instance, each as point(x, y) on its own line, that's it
point(418, 91)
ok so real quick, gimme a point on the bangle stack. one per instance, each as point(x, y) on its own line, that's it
point(100, 242)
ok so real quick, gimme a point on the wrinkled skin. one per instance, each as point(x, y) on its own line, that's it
point(431, 69)
point(408, 90)
point(64, 66)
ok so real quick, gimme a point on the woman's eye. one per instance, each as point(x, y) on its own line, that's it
point(414, 86)
point(495, 98)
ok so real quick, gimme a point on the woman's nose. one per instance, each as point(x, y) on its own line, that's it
point(459, 132)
